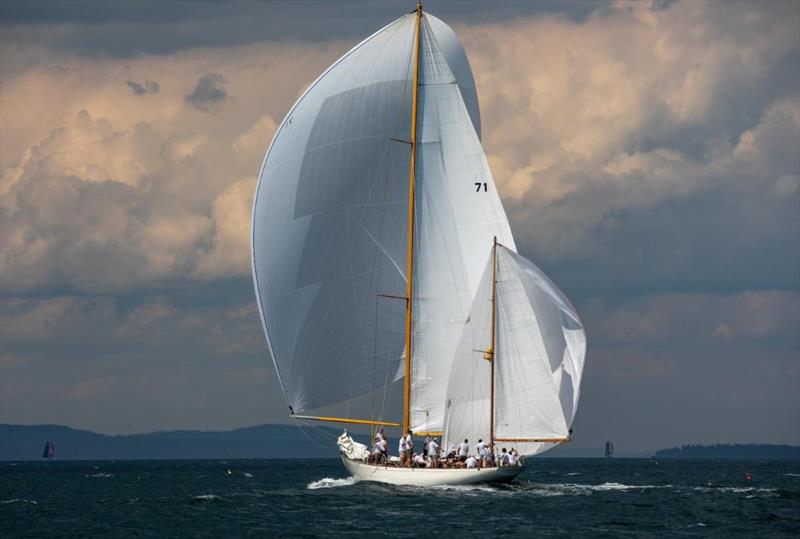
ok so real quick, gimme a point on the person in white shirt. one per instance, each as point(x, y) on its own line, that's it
point(425, 445)
point(481, 447)
point(409, 443)
point(488, 457)
point(377, 451)
point(403, 450)
point(504, 458)
point(433, 451)
point(384, 447)
point(512, 457)
point(419, 461)
point(472, 462)
point(463, 450)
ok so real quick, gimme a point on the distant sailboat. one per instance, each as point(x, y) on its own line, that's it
point(49, 450)
point(609, 449)
point(381, 253)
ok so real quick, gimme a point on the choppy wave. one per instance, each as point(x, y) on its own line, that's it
point(329, 482)
point(467, 488)
point(206, 498)
point(18, 500)
point(100, 474)
point(578, 489)
point(621, 486)
point(735, 490)
point(247, 474)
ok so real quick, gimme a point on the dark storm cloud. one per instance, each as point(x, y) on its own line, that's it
point(124, 29)
point(149, 87)
point(208, 92)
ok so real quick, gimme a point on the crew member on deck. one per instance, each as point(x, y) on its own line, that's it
point(463, 450)
point(488, 457)
point(409, 443)
point(433, 452)
point(375, 456)
point(481, 447)
point(472, 462)
point(403, 450)
point(504, 458)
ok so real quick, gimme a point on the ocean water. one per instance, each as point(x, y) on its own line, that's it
point(316, 498)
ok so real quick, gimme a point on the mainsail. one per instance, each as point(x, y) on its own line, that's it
point(538, 360)
point(330, 223)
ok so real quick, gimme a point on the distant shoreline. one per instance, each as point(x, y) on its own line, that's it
point(26, 442)
point(731, 451)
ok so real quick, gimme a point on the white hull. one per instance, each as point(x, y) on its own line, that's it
point(429, 477)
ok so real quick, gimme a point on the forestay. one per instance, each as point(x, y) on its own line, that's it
point(458, 211)
point(540, 347)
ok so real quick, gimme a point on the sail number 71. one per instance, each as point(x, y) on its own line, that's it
point(479, 185)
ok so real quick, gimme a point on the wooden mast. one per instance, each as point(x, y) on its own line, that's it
point(491, 343)
point(410, 259)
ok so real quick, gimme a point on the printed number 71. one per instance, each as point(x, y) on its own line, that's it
point(478, 186)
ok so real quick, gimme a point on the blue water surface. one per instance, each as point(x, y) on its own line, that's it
point(315, 498)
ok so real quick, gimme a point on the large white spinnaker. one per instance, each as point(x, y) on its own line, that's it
point(329, 230)
point(458, 211)
point(329, 225)
point(540, 346)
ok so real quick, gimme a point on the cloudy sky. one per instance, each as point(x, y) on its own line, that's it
point(647, 155)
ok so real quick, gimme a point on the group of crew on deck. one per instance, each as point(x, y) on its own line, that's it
point(432, 455)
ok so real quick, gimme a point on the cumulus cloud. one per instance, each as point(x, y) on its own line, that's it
point(208, 92)
point(605, 123)
point(646, 154)
point(148, 87)
point(590, 127)
point(112, 198)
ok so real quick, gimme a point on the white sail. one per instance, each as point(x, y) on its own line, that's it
point(540, 348)
point(330, 223)
point(453, 51)
point(458, 211)
point(467, 401)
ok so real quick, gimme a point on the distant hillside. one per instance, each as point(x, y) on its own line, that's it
point(728, 451)
point(25, 442)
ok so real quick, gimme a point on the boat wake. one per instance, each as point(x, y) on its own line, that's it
point(329, 482)
point(467, 488)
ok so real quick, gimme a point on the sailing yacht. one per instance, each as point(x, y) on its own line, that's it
point(383, 263)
